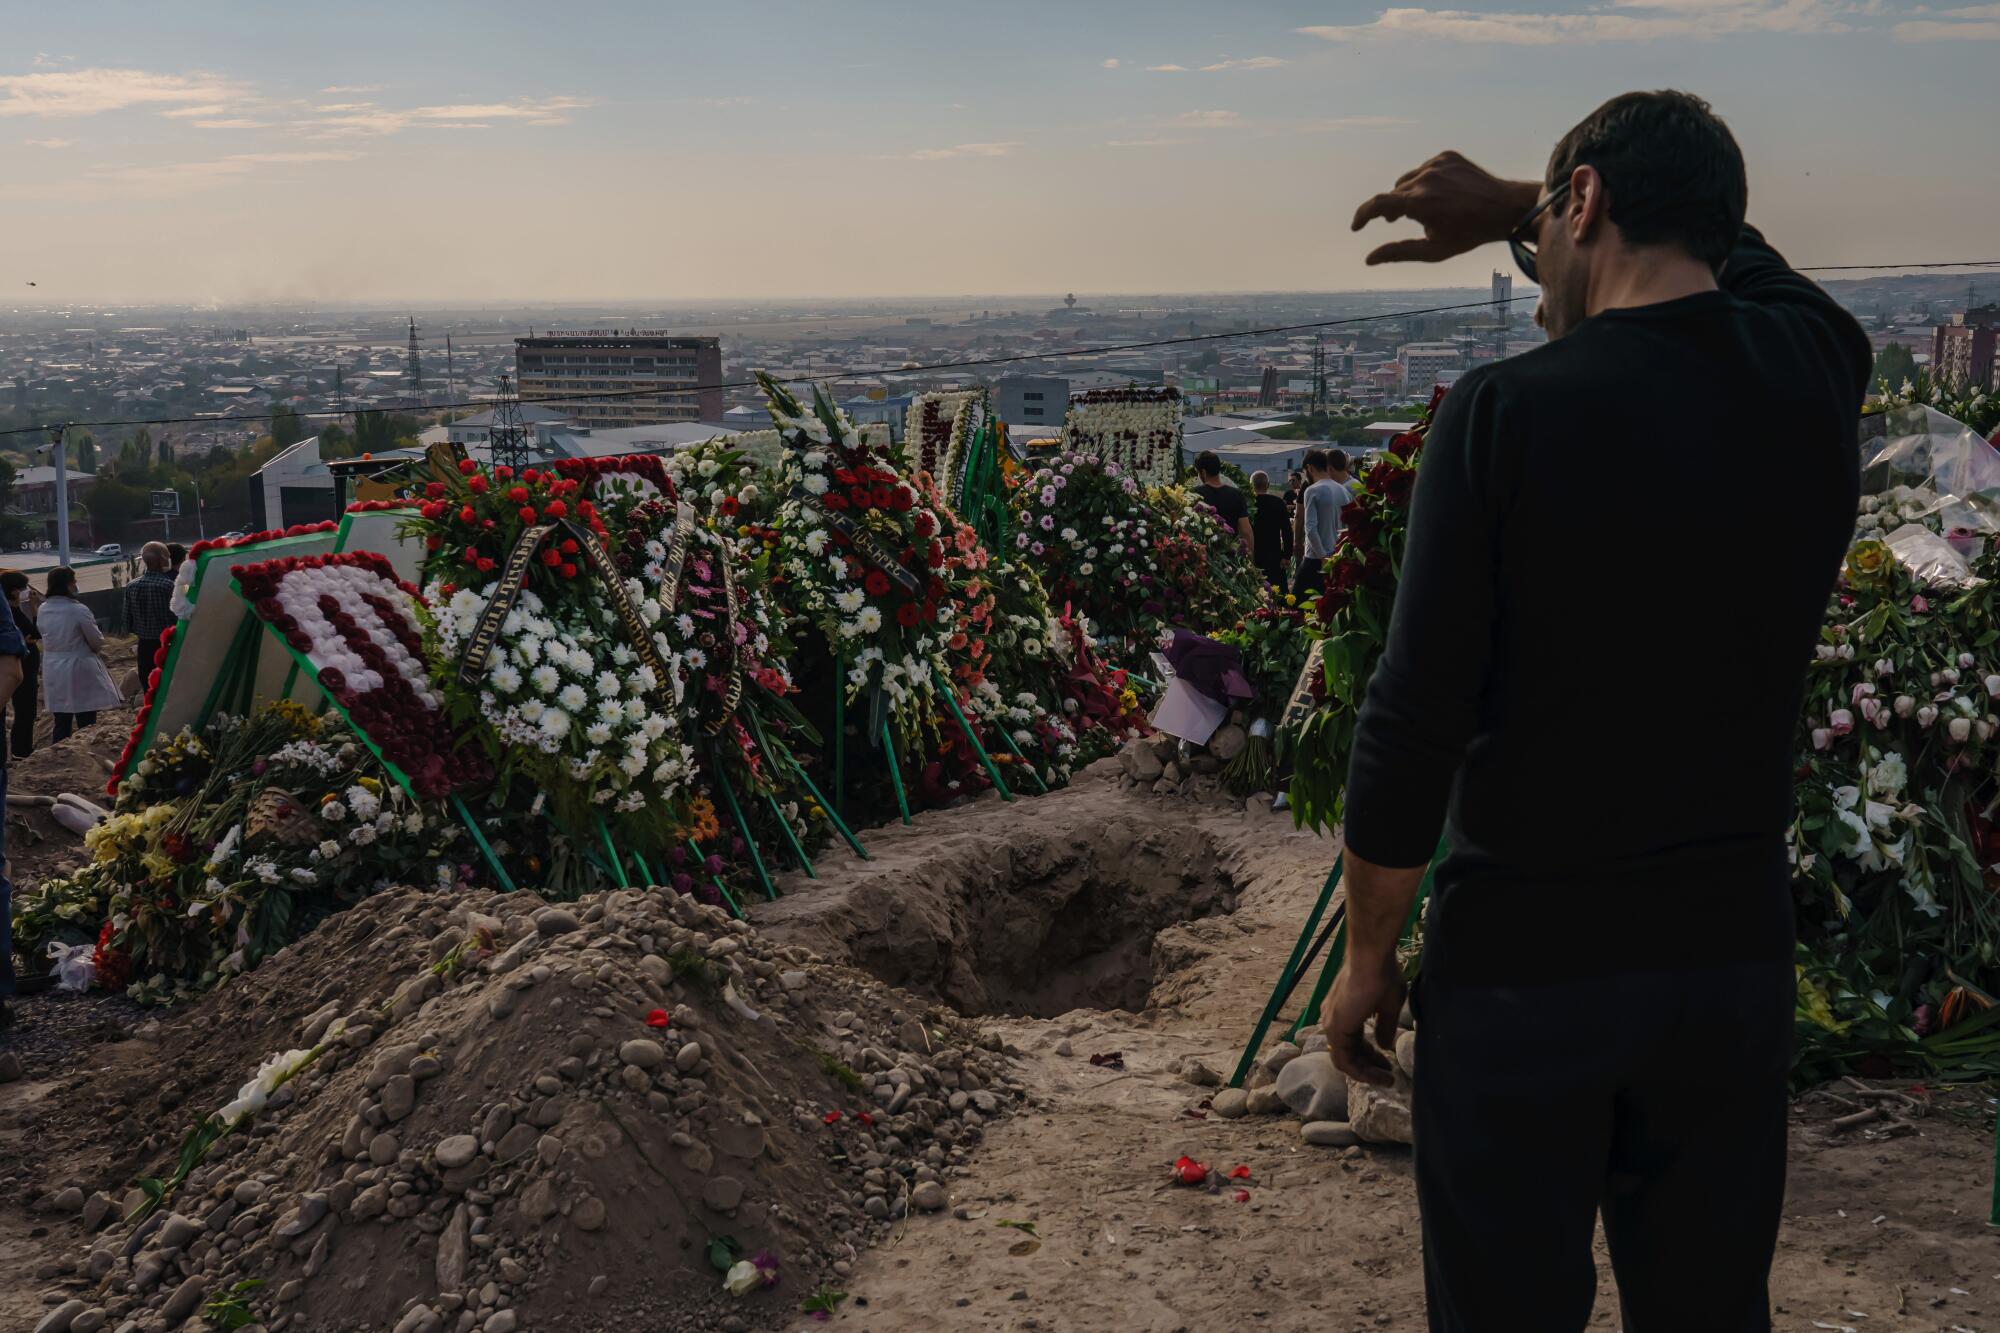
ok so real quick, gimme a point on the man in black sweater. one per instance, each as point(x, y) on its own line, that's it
point(1591, 684)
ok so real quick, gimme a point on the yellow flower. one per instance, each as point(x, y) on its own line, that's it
point(372, 785)
point(1291, 600)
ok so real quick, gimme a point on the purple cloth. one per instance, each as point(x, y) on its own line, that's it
point(1214, 669)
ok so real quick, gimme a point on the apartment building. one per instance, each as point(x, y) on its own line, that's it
point(613, 379)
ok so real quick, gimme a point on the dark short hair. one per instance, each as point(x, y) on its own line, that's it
point(1207, 463)
point(12, 581)
point(176, 552)
point(1316, 458)
point(62, 581)
point(1672, 168)
point(1337, 459)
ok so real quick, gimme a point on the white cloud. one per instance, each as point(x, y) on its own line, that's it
point(183, 175)
point(1972, 23)
point(966, 150)
point(1210, 120)
point(1166, 69)
point(1337, 123)
point(90, 92)
point(344, 120)
point(1251, 62)
point(50, 143)
point(205, 109)
point(1626, 20)
point(1111, 62)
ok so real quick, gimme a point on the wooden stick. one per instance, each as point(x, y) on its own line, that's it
point(1868, 1116)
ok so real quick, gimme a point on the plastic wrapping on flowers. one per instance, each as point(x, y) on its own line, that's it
point(224, 846)
point(1896, 851)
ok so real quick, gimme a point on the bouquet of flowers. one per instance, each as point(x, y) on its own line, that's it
point(227, 844)
point(1085, 523)
point(1137, 428)
point(937, 434)
point(1212, 576)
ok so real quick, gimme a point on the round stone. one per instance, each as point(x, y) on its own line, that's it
point(642, 1053)
point(688, 1057)
point(457, 1151)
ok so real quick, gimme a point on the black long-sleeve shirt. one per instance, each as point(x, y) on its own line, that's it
point(1620, 550)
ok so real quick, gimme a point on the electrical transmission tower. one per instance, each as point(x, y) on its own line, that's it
point(416, 368)
point(1319, 375)
point(507, 439)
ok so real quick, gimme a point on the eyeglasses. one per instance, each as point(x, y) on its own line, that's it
point(1519, 240)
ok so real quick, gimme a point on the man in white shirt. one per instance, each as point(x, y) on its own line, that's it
point(1326, 495)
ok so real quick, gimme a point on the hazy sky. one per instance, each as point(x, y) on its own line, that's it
point(641, 149)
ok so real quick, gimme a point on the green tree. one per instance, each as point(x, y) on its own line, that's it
point(1895, 365)
point(287, 427)
point(114, 505)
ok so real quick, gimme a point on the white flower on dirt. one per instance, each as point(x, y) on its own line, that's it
point(271, 1075)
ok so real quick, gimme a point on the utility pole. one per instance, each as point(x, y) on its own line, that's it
point(450, 373)
point(57, 448)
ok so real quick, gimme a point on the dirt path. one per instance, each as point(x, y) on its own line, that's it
point(1328, 1239)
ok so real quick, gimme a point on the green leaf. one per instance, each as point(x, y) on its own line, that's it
point(723, 1252)
point(1028, 1227)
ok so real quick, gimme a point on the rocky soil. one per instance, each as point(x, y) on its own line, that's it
point(498, 1139)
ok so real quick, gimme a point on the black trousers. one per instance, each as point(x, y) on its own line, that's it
point(70, 722)
point(22, 722)
point(1657, 1099)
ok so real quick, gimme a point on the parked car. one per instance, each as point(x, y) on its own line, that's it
point(232, 536)
point(112, 549)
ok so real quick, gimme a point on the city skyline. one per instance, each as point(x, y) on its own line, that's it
point(453, 153)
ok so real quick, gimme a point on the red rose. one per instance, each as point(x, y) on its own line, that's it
point(519, 495)
point(435, 490)
point(466, 514)
point(569, 546)
point(467, 467)
point(528, 515)
point(551, 556)
point(555, 509)
point(477, 485)
point(568, 570)
point(504, 473)
point(876, 582)
point(471, 553)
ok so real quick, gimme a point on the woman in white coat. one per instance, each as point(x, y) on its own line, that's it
point(75, 681)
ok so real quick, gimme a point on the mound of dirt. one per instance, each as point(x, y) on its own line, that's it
point(524, 1117)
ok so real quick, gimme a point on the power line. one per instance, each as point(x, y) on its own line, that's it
point(969, 364)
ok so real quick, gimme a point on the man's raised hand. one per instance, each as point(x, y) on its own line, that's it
point(1460, 205)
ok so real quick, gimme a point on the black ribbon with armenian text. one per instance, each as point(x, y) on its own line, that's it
point(485, 634)
point(862, 540)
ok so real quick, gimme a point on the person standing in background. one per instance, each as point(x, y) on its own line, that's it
point(1271, 530)
point(1225, 499)
point(74, 677)
point(176, 557)
point(149, 605)
point(22, 602)
point(1319, 517)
